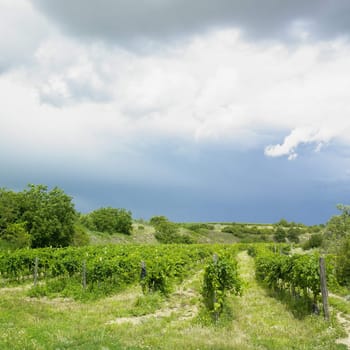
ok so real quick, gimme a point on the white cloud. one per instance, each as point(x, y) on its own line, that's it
point(297, 137)
point(22, 30)
point(211, 88)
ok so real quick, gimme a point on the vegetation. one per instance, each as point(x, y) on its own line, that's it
point(36, 217)
point(109, 220)
point(220, 277)
point(315, 241)
point(161, 288)
point(130, 320)
point(168, 232)
point(106, 269)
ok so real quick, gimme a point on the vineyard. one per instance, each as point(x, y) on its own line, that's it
point(95, 271)
point(214, 284)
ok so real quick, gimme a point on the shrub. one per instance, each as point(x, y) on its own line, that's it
point(109, 220)
point(314, 241)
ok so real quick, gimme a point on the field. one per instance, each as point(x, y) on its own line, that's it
point(127, 318)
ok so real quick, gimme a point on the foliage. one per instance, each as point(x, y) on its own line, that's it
point(297, 275)
point(247, 233)
point(156, 220)
point(337, 228)
point(80, 237)
point(49, 216)
point(343, 263)
point(199, 227)
point(108, 268)
point(168, 232)
point(279, 235)
point(220, 277)
point(10, 208)
point(46, 216)
point(314, 241)
point(293, 234)
point(16, 235)
point(109, 220)
point(283, 222)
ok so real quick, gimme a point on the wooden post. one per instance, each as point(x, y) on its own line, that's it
point(84, 275)
point(143, 270)
point(143, 275)
point(216, 314)
point(36, 264)
point(324, 290)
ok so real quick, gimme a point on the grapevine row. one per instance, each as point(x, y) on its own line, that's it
point(298, 274)
point(116, 265)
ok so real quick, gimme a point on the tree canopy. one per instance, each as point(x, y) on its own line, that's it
point(109, 220)
point(37, 217)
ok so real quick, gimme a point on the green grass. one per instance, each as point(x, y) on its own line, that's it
point(130, 320)
point(143, 233)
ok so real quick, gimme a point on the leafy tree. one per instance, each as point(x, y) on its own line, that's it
point(337, 240)
point(49, 216)
point(168, 232)
point(279, 235)
point(283, 222)
point(156, 220)
point(314, 241)
point(10, 208)
point(339, 225)
point(337, 228)
point(343, 263)
point(293, 234)
point(37, 217)
point(16, 236)
point(109, 220)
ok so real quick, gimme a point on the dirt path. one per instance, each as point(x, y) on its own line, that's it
point(178, 302)
point(345, 322)
point(15, 289)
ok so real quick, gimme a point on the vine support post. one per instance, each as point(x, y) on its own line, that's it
point(143, 275)
point(216, 313)
point(324, 290)
point(36, 265)
point(84, 275)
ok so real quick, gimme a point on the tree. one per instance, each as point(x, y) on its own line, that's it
point(37, 217)
point(337, 228)
point(343, 263)
point(293, 234)
point(49, 216)
point(156, 220)
point(283, 222)
point(109, 220)
point(10, 211)
point(279, 235)
point(168, 232)
point(314, 241)
point(16, 236)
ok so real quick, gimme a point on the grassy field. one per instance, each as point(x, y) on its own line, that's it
point(130, 320)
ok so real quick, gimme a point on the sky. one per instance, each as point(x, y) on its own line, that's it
point(221, 110)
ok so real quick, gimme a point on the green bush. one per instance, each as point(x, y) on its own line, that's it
point(220, 277)
point(279, 235)
point(109, 220)
point(314, 241)
point(168, 232)
point(343, 263)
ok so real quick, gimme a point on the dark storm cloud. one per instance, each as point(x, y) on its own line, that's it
point(225, 190)
point(134, 19)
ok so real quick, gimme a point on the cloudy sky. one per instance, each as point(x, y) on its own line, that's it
point(199, 110)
